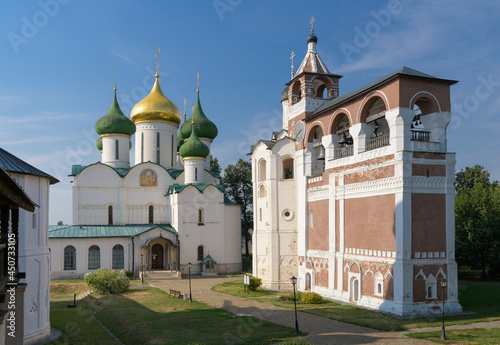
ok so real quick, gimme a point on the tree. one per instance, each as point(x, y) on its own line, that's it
point(214, 165)
point(477, 218)
point(60, 222)
point(237, 182)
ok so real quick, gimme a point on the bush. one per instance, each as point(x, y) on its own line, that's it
point(129, 274)
point(255, 283)
point(311, 298)
point(286, 298)
point(107, 281)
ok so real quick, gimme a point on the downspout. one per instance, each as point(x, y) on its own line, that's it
point(178, 252)
point(133, 254)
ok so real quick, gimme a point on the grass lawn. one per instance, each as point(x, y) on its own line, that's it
point(479, 336)
point(66, 288)
point(235, 288)
point(151, 316)
point(479, 297)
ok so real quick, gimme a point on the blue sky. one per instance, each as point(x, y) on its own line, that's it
point(57, 60)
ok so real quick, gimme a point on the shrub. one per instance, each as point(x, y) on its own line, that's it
point(311, 298)
point(286, 298)
point(255, 283)
point(129, 274)
point(107, 281)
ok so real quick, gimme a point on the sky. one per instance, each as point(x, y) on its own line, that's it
point(58, 59)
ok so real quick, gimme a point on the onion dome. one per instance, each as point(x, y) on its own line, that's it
point(156, 107)
point(99, 144)
point(312, 38)
point(184, 132)
point(114, 122)
point(204, 127)
point(284, 94)
point(194, 147)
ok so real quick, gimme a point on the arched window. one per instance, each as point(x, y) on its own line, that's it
point(200, 217)
point(142, 147)
point(431, 287)
point(379, 284)
point(260, 214)
point(200, 253)
point(94, 258)
point(262, 170)
point(117, 150)
point(118, 257)
point(70, 258)
point(374, 115)
point(158, 148)
point(110, 215)
point(151, 214)
point(196, 174)
point(172, 152)
point(287, 171)
point(262, 191)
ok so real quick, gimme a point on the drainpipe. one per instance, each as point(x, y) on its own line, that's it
point(133, 254)
point(178, 252)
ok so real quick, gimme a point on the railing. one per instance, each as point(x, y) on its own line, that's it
point(379, 141)
point(342, 152)
point(420, 135)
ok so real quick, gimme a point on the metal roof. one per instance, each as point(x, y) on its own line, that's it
point(403, 71)
point(13, 164)
point(93, 231)
point(12, 194)
point(177, 188)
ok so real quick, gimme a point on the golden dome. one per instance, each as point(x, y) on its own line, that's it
point(156, 107)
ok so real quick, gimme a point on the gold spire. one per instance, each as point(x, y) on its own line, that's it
point(184, 109)
point(312, 24)
point(157, 53)
point(192, 107)
point(115, 79)
point(198, 82)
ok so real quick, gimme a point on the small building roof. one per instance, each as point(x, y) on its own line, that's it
point(177, 188)
point(12, 194)
point(98, 231)
point(16, 165)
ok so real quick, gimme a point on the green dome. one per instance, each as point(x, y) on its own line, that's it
point(194, 147)
point(99, 144)
point(185, 130)
point(205, 127)
point(114, 122)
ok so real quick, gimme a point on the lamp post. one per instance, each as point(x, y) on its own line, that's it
point(142, 268)
point(443, 334)
point(294, 281)
point(189, 273)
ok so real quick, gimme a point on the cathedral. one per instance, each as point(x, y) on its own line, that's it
point(355, 194)
point(168, 212)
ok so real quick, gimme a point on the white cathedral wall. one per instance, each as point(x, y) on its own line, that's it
point(34, 257)
point(109, 150)
point(168, 143)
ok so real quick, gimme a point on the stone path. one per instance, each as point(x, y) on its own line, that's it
point(321, 330)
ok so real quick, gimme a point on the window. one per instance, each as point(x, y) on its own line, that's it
point(200, 217)
point(94, 258)
point(34, 220)
point(142, 147)
point(262, 191)
point(287, 168)
point(431, 287)
point(117, 150)
point(195, 174)
point(200, 253)
point(262, 170)
point(151, 214)
point(110, 215)
point(70, 258)
point(172, 152)
point(260, 214)
point(379, 284)
point(118, 257)
point(158, 148)
point(311, 218)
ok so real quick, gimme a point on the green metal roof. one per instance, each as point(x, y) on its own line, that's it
point(115, 122)
point(12, 164)
point(93, 231)
point(208, 257)
point(204, 127)
point(177, 188)
point(76, 169)
point(194, 147)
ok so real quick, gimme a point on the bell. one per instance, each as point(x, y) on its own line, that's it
point(321, 153)
point(343, 139)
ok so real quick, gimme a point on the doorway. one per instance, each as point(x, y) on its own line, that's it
point(157, 257)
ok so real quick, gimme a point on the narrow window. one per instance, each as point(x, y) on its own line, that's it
point(118, 257)
point(110, 215)
point(151, 214)
point(172, 152)
point(34, 220)
point(196, 174)
point(260, 214)
point(379, 288)
point(94, 258)
point(311, 218)
point(287, 168)
point(142, 147)
point(429, 292)
point(70, 258)
point(158, 148)
point(200, 217)
point(200, 253)
point(117, 150)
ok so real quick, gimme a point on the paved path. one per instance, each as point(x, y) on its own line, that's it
point(321, 330)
